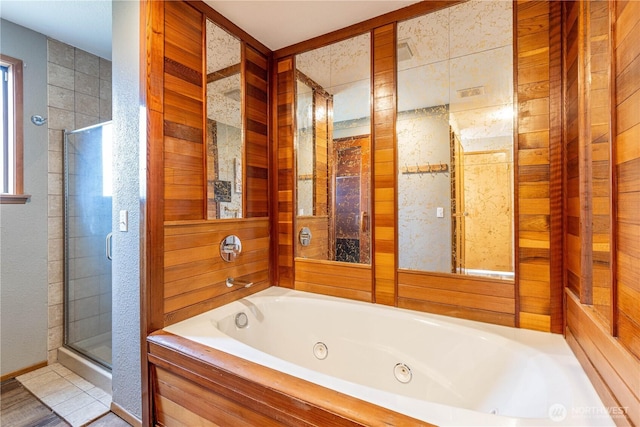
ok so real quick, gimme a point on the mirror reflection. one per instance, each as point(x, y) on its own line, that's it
point(333, 129)
point(224, 136)
point(455, 140)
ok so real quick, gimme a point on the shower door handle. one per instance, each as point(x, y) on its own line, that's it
point(108, 246)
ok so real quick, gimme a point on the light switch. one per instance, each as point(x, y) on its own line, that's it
point(124, 221)
point(440, 212)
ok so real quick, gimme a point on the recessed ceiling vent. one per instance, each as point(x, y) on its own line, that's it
point(470, 91)
point(233, 94)
point(405, 51)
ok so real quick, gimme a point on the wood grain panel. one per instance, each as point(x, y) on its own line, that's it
point(611, 363)
point(222, 385)
point(256, 115)
point(284, 161)
point(605, 355)
point(319, 227)
point(627, 173)
point(555, 318)
point(179, 400)
point(601, 387)
point(183, 107)
point(539, 171)
point(384, 165)
point(457, 311)
point(599, 43)
point(490, 300)
point(168, 413)
point(187, 251)
point(334, 278)
point(152, 208)
point(195, 274)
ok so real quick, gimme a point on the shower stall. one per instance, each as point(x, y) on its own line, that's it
point(87, 242)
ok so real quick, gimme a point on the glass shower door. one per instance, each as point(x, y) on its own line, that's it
point(88, 199)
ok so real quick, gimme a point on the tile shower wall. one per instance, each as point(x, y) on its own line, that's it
point(79, 95)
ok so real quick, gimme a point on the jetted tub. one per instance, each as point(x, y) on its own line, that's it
point(441, 370)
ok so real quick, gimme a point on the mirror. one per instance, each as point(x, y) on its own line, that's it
point(333, 133)
point(224, 133)
point(455, 138)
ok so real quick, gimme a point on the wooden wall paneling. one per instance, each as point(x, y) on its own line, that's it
point(233, 387)
point(194, 272)
point(319, 227)
point(601, 387)
point(585, 216)
point(338, 279)
point(152, 207)
point(613, 363)
point(384, 203)
point(284, 154)
point(600, 119)
point(179, 402)
point(577, 150)
point(187, 251)
point(539, 182)
point(184, 190)
point(572, 134)
point(627, 173)
point(467, 297)
point(256, 168)
point(556, 159)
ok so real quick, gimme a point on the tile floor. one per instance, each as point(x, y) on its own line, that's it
point(67, 394)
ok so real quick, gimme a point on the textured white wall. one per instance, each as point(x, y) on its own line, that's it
point(126, 196)
point(23, 228)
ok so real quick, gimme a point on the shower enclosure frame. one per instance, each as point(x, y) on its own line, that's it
point(66, 236)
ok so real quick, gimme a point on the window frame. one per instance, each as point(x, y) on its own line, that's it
point(16, 194)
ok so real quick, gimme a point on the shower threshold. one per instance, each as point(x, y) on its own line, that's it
point(90, 371)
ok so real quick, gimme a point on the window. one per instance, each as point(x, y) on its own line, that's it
point(11, 169)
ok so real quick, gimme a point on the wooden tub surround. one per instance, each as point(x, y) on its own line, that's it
point(576, 210)
point(196, 385)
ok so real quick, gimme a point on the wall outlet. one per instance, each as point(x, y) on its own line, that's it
point(440, 212)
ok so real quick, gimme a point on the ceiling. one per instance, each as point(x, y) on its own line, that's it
point(86, 24)
point(278, 24)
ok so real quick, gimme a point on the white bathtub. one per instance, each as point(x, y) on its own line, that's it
point(460, 372)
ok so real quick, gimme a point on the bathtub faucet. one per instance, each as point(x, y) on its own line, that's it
point(236, 282)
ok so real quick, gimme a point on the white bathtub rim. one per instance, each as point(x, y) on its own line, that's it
point(432, 412)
